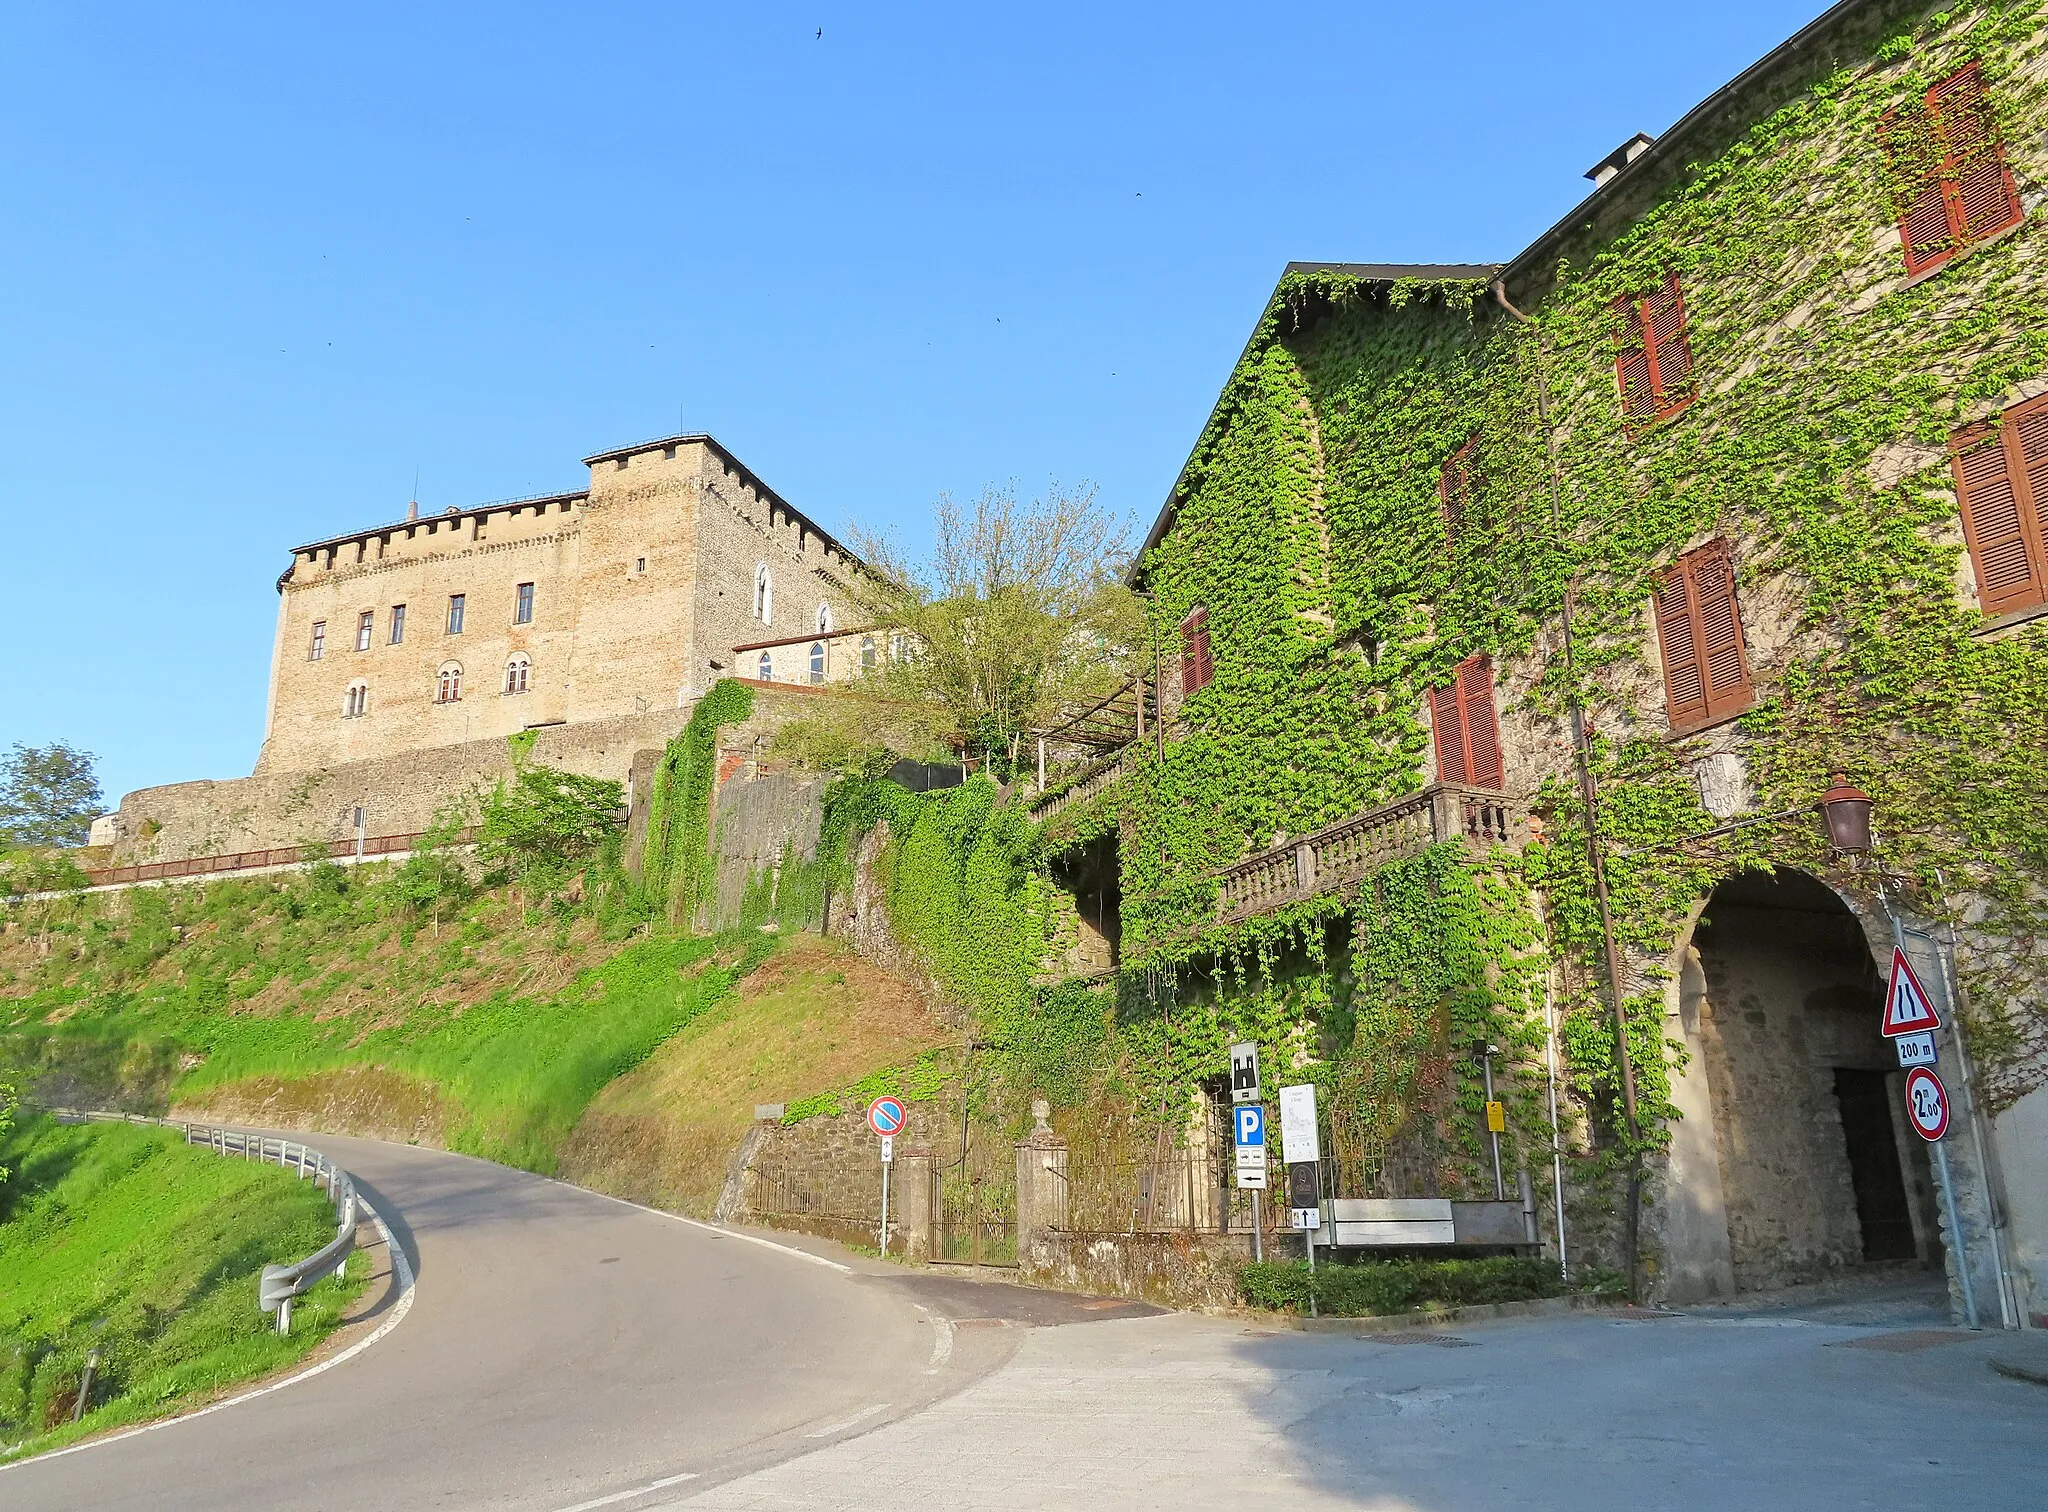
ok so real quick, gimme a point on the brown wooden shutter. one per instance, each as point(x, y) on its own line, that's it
point(1453, 758)
point(1482, 725)
point(1197, 667)
point(1699, 631)
point(1454, 488)
point(2001, 472)
point(1914, 154)
point(1466, 727)
point(1632, 362)
point(1685, 689)
point(1670, 351)
point(1982, 197)
point(1722, 653)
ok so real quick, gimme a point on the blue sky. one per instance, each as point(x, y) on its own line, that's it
point(264, 262)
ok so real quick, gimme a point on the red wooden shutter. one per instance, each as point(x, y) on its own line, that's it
point(1482, 725)
point(1913, 149)
point(1685, 689)
point(2000, 473)
point(1454, 488)
point(1197, 667)
point(1467, 729)
point(1453, 758)
point(1670, 351)
point(1699, 630)
point(1982, 196)
point(1632, 362)
point(1722, 654)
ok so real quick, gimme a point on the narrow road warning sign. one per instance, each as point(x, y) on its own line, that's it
point(1926, 1103)
point(1906, 1009)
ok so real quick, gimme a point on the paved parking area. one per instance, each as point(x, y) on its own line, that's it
point(1759, 1409)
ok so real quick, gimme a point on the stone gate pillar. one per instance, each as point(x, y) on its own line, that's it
point(1041, 1183)
point(911, 1210)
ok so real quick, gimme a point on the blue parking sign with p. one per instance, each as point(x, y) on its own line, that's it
point(1251, 1124)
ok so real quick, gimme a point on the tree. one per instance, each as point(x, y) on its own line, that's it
point(1017, 612)
point(547, 823)
point(49, 795)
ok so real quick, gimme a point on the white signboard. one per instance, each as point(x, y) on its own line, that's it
point(1916, 1049)
point(888, 1148)
point(1298, 1139)
point(1249, 1123)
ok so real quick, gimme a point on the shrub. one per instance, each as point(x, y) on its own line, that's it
point(1374, 1287)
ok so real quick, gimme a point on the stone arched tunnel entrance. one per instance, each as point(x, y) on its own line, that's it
point(1793, 1161)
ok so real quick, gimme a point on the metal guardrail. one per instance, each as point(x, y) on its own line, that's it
point(279, 1284)
point(261, 860)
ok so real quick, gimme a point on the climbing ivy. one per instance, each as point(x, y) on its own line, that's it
point(1311, 529)
point(676, 865)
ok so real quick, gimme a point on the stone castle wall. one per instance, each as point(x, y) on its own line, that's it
point(642, 585)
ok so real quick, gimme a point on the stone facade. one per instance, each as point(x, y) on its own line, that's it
point(623, 599)
point(640, 587)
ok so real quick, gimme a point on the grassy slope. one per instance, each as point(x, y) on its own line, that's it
point(84, 1262)
point(316, 1002)
point(814, 1017)
point(300, 998)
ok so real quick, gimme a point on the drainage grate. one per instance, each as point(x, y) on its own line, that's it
point(1441, 1341)
point(1907, 1342)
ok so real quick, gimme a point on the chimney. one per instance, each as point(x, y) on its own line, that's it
point(412, 511)
point(1619, 159)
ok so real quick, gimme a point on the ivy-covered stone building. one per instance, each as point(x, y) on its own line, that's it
point(1734, 480)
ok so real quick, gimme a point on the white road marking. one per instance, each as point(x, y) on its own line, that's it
point(942, 1346)
point(619, 1496)
point(399, 1264)
point(712, 1228)
point(859, 1417)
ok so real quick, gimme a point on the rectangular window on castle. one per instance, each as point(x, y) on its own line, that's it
point(1653, 356)
point(397, 624)
point(1197, 666)
point(1948, 172)
point(319, 647)
point(522, 605)
point(2001, 480)
point(366, 629)
point(455, 602)
point(1699, 629)
point(1467, 729)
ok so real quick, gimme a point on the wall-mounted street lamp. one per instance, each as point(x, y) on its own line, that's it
point(1847, 812)
point(1844, 812)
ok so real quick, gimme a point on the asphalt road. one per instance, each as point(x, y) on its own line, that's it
point(561, 1348)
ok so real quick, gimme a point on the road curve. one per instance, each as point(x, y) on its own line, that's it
point(562, 1348)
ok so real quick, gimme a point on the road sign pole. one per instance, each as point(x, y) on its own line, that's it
point(1258, 1226)
point(1955, 1228)
point(884, 1245)
point(1500, 1191)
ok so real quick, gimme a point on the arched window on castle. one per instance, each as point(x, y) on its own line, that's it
point(355, 703)
point(517, 671)
point(824, 619)
point(867, 653)
point(767, 669)
point(817, 661)
point(764, 595)
point(449, 686)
